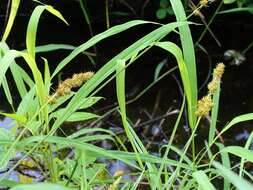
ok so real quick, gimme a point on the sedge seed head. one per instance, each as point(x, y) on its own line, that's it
point(212, 86)
point(75, 81)
point(204, 106)
point(204, 3)
point(219, 70)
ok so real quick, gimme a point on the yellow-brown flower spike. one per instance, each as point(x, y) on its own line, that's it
point(204, 106)
point(219, 70)
point(204, 2)
point(66, 86)
point(212, 86)
point(206, 103)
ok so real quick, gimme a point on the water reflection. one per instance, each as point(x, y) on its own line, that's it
point(6, 123)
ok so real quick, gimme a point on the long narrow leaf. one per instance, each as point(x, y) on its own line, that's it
point(13, 12)
point(214, 114)
point(110, 32)
point(236, 180)
point(203, 180)
point(226, 162)
point(189, 55)
point(239, 151)
point(236, 120)
point(110, 67)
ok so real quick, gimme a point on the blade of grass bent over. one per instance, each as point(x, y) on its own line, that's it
point(236, 120)
point(177, 53)
point(203, 181)
point(239, 151)
point(33, 25)
point(189, 57)
point(237, 181)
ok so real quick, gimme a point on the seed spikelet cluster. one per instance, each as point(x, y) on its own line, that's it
point(66, 86)
point(206, 103)
point(204, 3)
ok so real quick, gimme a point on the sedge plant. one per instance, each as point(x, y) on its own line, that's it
point(42, 112)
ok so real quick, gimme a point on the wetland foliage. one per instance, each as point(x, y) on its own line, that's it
point(58, 139)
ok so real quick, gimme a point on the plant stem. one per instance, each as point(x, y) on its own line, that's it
point(107, 14)
point(209, 23)
point(172, 178)
point(247, 48)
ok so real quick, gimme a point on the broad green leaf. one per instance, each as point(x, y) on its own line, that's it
point(127, 157)
point(15, 70)
point(86, 131)
point(236, 120)
point(33, 25)
point(56, 13)
point(47, 79)
point(33, 126)
point(132, 136)
point(51, 47)
point(237, 10)
point(229, 1)
point(187, 81)
point(40, 186)
point(13, 12)
point(40, 87)
point(8, 183)
point(59, 101)
point(6, 61)
point(5, 135)
point(7, 90)
point(203, 181)
point(17, 117)
point(189, 57)
point(81, 116)
point(237, 181)
point(225, 162)
point(88, 102)
point(26, 103)
point(110, 32)
point(76, 116)
point(240, 152)
point(110, 67)
point(18, 78)
point(247, 146)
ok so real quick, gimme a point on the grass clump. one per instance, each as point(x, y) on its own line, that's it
point(73, 161)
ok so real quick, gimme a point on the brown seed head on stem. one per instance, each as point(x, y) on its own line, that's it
point(75, 81)
point(206, 103)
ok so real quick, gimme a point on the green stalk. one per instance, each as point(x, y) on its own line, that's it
point(209, 23)
point(176, 173)
point(107, 14)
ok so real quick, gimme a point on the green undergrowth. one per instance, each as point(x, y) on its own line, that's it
point(34, 141)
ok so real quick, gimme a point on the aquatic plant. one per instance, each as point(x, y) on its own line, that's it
point(72, 161)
